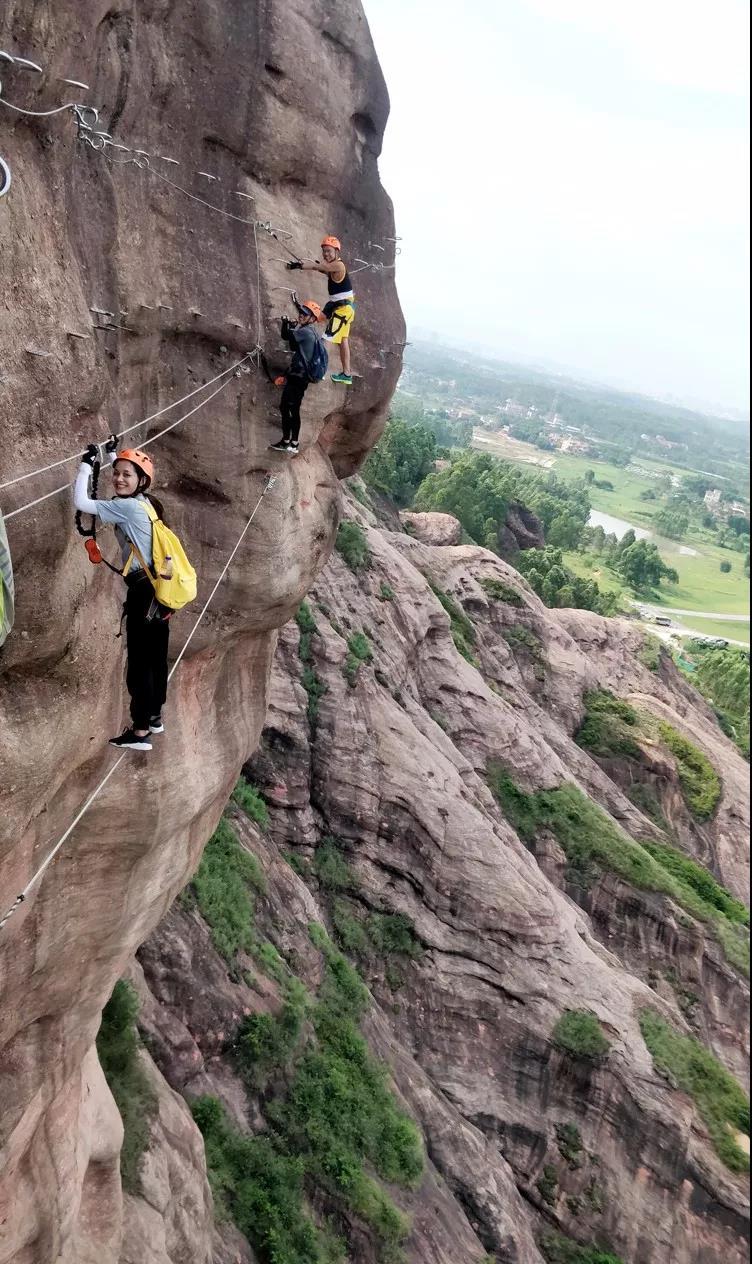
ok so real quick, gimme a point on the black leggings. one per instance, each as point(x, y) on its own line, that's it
point(289, 406)
point(146, 641)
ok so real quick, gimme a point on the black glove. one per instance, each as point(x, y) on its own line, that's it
point(286, 327)
point(112, 443)
point(91, 455)
point(293, 265)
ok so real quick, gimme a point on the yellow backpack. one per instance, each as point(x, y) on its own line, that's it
point(180, 588)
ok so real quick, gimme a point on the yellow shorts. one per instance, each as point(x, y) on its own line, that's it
point(338, 325)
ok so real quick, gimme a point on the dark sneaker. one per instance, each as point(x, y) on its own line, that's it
point(282, 446)
point(343, 379)
point(156, 724)
point(293, 448)
point(129, 741)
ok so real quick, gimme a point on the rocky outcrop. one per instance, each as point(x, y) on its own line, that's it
point(246, 93)
point(432, 528)
point(395, 770)
point(521, 530)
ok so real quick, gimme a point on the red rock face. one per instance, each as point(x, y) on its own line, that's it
point(288, 107)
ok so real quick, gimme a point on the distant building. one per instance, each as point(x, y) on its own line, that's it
point(570, 443)
point(713, 500)
point(736, 507)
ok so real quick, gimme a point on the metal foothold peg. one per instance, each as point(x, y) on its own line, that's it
point(25, 64)
point(207, 175)
point(35, 351)
point(76, 83)
point(73, 334)
point(5, 177)
point(249, 196)
point(6, 57)
point(162, 158)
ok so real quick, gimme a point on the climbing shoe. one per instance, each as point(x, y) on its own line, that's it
point(282, 446)
point(156, 724)
point(129, 741)
point(342, 379)
point(293, 448)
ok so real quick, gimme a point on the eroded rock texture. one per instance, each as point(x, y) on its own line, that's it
point(396, 769)
point(287, 105)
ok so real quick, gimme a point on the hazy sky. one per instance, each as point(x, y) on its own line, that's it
point(571, 181)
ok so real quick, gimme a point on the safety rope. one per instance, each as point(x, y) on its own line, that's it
point(23, 895)
point(21, 478)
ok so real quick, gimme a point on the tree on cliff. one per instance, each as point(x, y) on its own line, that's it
point(642, 566)
point(400, 461)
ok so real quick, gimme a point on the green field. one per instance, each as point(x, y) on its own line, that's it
point(702, 585)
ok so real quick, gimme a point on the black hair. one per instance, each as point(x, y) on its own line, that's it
point(144, 482)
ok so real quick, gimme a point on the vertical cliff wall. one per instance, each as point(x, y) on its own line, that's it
point(288, 106)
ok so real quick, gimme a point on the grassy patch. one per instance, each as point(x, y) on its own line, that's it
point(720, 1101)
point(548, 1184)
point(608, 726)
point(460, 626)
point(331, 868)
point(579, 1033)
point(118, 1045)
point(729, 630)
point(557, 1249)
point(646, 799)
point(352, 545)
point(358, 652)
point(593, 842)
point(521, 638)
point(700, 783)
point(249, 799)
point(265, 1043)
point(497, 590)
point(386, 592)
point(307, 626)
point(649, 653)
point(225, 885)
point(315, 688)
point(570, 1145)
point(700, 880)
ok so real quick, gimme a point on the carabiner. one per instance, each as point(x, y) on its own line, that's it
point(4, 177)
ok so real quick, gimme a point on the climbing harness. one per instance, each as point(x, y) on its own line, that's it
point(20, 899)
point(4, 177)
point(6, 585)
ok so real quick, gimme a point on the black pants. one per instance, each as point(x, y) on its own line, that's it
point(146, 641)
point(289, 406)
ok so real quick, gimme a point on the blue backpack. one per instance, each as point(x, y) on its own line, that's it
point(318, 363)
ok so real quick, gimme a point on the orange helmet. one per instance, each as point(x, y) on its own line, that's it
point(138, 458)
point(334, 242)
point(313, 308)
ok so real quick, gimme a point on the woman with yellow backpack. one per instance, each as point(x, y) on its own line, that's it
point(158, 576)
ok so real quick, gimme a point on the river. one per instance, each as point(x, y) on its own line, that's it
point(616, 526)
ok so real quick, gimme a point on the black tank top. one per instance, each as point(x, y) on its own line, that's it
point(340, 289)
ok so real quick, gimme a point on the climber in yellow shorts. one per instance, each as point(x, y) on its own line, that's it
point(340, 310)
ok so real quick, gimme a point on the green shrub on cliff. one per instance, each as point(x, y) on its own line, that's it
point(593, 842)
point(352, 545)
point(699, 780)
point(721, 1102)
point(461, 628)
point(358, 651)
point(225, 885)
point(557, 1249)
point(118, 1045)
point(249, 799)
point(608, 726)
point(497, 590)
point(578, 1033)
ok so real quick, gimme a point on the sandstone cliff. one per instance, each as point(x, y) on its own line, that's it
point(288, 106)
point(395, 768)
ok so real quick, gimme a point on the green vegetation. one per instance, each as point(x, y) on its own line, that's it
point(593, 842)
point(118, 1045)
point(547, 1184)
point(646, 799)
point(650, 653)
point(331, 868)
point(560, 1250)
point(518, 637)
point(497, 590)
point(386, 592)
point(722, 675)
point(578, 1033)
point(726, 568)
point(352, 545)
point(262, 1189)
point(608, 726)
point(461, 628)
point(332, 1122)
point(558, 586)
point(225, 885)
point(725, 629)
point(700, 783)
point(720, 1101)
point(249, 799)
point(315, 688)
point(400, 461)
point(692, 875)
point(358, 652)
point(570, 1145)
point(307, 625)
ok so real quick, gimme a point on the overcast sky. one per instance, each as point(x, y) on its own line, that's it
point(570, 178)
